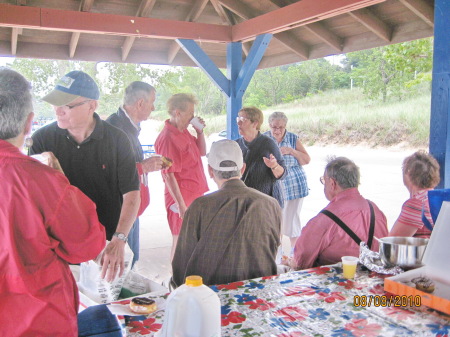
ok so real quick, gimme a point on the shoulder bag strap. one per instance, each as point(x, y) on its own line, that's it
point(372, 225)
point(341, 224)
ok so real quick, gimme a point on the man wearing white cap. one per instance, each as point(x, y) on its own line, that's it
point(96, 157)
point(231, 234)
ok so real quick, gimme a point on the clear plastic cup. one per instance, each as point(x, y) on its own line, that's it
point(349, 264)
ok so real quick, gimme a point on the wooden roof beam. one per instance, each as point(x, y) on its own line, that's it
point(373, 23)
point(110, 24)
point(14, 38)
point(144, 10)
point(331, 39)
point(193, 15)
point(298, 14)
point(85, 6)
point(422, 9)
point(288, 39)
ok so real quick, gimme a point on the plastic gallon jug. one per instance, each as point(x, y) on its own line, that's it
point(192, 310)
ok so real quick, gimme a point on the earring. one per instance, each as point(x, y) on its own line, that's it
point(28, 142)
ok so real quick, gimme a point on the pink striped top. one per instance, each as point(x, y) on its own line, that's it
point(411, 214)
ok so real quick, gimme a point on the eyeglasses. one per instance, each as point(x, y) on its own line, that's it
point(322, 180)
point(241, 119)
point(70, 107)
point(277, 127)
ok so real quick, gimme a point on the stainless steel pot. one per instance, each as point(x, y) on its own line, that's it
point(405, 252)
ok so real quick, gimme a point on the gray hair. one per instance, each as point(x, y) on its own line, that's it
point(16, 103)
point(278, 115)
point(137, 90)
point(227, 174)
point(343, 171)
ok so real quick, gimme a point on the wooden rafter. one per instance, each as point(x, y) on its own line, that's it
point(193, 15)
point(323, 33)
point(144, 10)
point(317, 29)
point(422, 9)
point(85, 6)
point(298, 14)
point(288, 39)
point(221, 12)
point(14, 37)
point(228, 18)
point(373, 23)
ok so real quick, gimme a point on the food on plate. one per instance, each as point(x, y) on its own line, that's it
point(142, 305)
point(167, 162)
point(424, 284)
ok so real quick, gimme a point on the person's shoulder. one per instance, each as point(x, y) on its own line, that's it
point(113, 130)
point(114, 119)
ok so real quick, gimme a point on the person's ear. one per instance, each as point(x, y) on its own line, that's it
point(211, 172)
point(28, 124)
point(93, 105)
point(243, 169)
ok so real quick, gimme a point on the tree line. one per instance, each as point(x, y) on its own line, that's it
point(384, 73)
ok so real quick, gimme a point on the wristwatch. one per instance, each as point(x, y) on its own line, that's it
point(121, 236)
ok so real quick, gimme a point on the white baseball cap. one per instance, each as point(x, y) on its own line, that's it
point(223, 150)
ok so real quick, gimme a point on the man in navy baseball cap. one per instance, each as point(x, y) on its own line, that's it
point(97, 158)
point(72, 86)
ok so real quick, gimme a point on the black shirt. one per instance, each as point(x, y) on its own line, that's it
point(103, 166)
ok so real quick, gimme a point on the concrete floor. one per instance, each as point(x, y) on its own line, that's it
point(381, 182)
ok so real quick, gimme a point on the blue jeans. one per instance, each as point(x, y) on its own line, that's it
point(97, 321)
point(133, 241)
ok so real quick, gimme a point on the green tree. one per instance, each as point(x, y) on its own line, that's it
point(385, 71)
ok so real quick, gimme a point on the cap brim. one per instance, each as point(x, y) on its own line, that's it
point(58, 98)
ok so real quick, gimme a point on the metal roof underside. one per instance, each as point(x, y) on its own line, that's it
point(145, 31)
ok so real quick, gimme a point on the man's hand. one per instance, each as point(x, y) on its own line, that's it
point(113, 259)
point(152, 164)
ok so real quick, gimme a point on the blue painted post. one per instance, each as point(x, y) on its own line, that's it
point(234, 103)
point(239, 75)
point(440, 107)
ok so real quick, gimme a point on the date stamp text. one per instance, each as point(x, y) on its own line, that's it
point(387, 301)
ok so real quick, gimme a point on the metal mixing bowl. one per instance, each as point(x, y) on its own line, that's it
point(405, 252)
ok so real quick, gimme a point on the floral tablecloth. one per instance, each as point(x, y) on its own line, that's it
point(313, 302)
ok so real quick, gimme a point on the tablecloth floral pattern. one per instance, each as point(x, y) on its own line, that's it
point(314, 302)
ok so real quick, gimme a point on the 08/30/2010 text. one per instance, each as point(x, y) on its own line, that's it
point(387, 301)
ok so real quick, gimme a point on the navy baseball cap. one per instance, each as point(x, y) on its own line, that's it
point(71, 86)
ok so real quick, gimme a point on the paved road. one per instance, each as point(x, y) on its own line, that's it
point(381, 182)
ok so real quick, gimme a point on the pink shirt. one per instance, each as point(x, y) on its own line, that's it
point(323, 242)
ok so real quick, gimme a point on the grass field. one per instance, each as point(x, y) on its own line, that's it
point(347, 117)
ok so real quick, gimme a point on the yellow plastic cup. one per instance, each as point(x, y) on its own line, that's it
point(349, 264)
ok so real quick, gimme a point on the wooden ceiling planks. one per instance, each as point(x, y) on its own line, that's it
point(302, 30)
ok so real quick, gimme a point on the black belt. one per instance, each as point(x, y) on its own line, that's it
point(349, 231)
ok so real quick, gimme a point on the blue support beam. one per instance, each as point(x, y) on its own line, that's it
point(251, 62)
point(440, 95)
point(206, 64)
point(234, 103)
point(239, 75)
